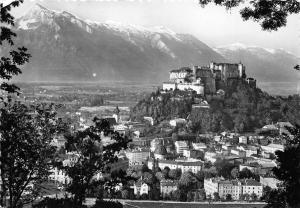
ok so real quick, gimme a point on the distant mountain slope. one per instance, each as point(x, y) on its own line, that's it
point(266, 65)
point(66, 48)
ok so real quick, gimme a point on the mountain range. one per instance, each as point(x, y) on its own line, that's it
point(67, 48)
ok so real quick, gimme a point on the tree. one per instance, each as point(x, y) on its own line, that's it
point(246, 173)
point(145, 168)
point(228, 197)
point(175, 174)
point(159, 176)
point(270, 14)
point(253, 197)
point(224, 167)
point(26, 153)
point(165, 172)
point(201, 194)
point(276, 199)
point(245, 197)
point(216, 196)
point(93, 157)
point(148, 178)
point(288, 169)
point(190, 196)
point(235, 172)
point(186, 180)
point(266, 193)
point(14, 58)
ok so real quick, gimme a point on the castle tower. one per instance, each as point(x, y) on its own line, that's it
point(241, 69)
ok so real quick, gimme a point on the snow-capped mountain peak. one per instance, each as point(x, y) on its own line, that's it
point(250, 48)
point(234, 46)
point(35, 16)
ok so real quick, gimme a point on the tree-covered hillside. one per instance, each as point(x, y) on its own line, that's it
point(242, 108)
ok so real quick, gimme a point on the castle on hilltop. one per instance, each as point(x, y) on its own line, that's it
point(206, 79)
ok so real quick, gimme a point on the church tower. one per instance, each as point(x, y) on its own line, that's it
point(116, 114)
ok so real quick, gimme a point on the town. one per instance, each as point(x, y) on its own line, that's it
point(169, 104)
point(165, 162)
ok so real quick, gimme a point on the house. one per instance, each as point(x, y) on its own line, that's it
point(269, 181)
point(193, 154)
point(167, 186)
point(199, 146)
point(137, 156)
point(233, 187)
point(272, 148)
point(59, 176)
point(251, 186)
point(181, 146)
point(237, 152)
point(283, 127)
point(178, 122)
point(243, 140)
point(185, 165)
point(211, 186)
point(141, 188)
point(210, 156)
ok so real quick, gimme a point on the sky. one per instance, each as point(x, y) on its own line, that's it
point(213, 25)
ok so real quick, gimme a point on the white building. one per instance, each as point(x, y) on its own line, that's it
point(177, 121)
point(155, 143)
point(199, 146)
point(180, 146)
point(272, 148)
point(141, 188)
point(210, 156)
point(137, 156)
point(269, 181)
point(251, 186)
point(243, 140)
point(59, 176)
point(185, 165)
point(211, 186)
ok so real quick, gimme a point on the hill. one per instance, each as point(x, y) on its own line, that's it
point(241, 109)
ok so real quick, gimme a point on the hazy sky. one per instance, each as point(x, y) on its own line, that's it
point(213, 25)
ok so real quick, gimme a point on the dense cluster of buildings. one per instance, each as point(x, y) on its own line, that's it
point(250, 151)
point(206, 79)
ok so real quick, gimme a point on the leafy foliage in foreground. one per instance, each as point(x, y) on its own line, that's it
point(13, 59)
point(93, 156)
point(271, 15)
point(288, 172)
point(26, 153)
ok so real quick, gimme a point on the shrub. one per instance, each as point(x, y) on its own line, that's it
point(56, 203)
point(107, 204)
